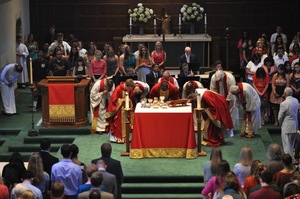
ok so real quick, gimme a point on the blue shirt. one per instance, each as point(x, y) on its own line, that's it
point(69, 174)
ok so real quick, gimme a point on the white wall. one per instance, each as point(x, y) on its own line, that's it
point(10, 11)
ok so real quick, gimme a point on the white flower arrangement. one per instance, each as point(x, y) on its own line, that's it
point(192, 13)
point(140, 14)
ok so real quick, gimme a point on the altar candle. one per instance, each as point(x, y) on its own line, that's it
point(31, 72)
point(198, 101)
point(154, 22)
point(130, 20)
point(126, 100)
point(205, 19)
point(179, 19)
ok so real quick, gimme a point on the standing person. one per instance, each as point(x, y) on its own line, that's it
point(59, 42)
point(40, 68)
point(295, 81)
point(288, 119)
point(98, 67)
point(153, 76)
point(249, 101)
point(109, 180)
point(67, 172)
point(242, 43)
point(115, 114)
point(210, 167)
point(57, 191)
point(82, 51)
point(252, 66)
point(74, 158)
point(73, 57)
point(189, 58)
point(113, 166)
point(47, 159)
point(59, 66)
point(80, 70)
point(252, 180)
point(247, 57)
point(112, 62)
point(243, 169)
point(99, 97)
point(32, 47)
point(50, 36)
point(22, 53)
point(143, 64)
point(8, 77)
point(281, 178)
point(159, 55)
point(127, 60)
point(274, 36)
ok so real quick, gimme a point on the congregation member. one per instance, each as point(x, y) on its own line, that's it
point(109, 180)
point(48, 160)
point(280, 57)
point(295, 81)
point(185, 72)
point(28, 177)
point(40, 67)
point(32, 47)
point(59, 42)
point(115, 114)
point(73, 58)
point(96, 181)
point(252, 66)
point(67, 173)
point(210, 167)
point(274, 155)
point(166, 89)
point(288, 119)
point(81, 50)
point(57, 191)
point(143, 64)
point(284, 176)
point(18, 191)
point(249, 101)
point(8, 77)
point(166, 76)
point(22, 53)
point(112, 63)
point(99, 97)
point(274, 35)
point(243, 169)
point(4, 193)
point(98, 67)
point(295, 179)
point(50, 36)
point(80, 71)
point(217, 116)
point(113, 166)
point(159, 55)
point(59, 66)
point(153, 76)
point(90, 169)
point(253, 179)
point(127, 60)
point(189, 58)
point(74, 158)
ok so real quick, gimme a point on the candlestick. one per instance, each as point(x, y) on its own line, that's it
point(130, 20)
point(198, 101)
point(205, 19)
point(154, 21)
point(126, 100)
point(31, 72)
point(179, 19)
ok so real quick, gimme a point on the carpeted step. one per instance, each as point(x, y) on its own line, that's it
point(66, 131)
point(2, 142)
point(57, 140)
point(5, 157)
point(31, 148)
point(162, 179)
point(162, 196)
point(166, 188)
point(9, 131)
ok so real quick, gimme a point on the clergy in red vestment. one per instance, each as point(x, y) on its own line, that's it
point(116, 115)
point(189, 87)
point(218, 117)
point(169, 78)
point(166, 89)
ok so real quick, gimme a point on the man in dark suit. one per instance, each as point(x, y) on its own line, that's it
point(113, 166)
point(189, 58)
point(153, 76)
point(48, 159)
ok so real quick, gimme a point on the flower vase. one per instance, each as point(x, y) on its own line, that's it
point(192, 28)
point(141, 29)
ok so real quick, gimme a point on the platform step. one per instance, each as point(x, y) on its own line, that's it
point(54, 131)
point(10, 131)
point(31, 148)
point(163, 179)
point(162, 196)
point(57, 140)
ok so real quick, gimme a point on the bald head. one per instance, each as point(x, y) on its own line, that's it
point(188, 50)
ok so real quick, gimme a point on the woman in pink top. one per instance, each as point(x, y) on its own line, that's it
point(159, 55)
point(98, 66)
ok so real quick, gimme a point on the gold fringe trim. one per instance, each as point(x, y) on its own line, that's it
point(164, 153)
point(62, 113)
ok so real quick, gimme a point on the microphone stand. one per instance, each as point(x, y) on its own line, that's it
point(32, 132)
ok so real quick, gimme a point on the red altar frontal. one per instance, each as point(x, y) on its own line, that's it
point(64, 102)
point(163, 133)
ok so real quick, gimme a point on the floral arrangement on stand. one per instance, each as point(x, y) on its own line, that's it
point(140, 15)
point(191, 14)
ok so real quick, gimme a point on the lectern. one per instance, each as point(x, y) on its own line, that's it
point(77, 117)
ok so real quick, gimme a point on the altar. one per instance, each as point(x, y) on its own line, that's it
point(174, 46)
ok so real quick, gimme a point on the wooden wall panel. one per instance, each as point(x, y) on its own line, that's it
point(100, 21)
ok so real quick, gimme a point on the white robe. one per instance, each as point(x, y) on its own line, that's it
point(22, 49)
point(252, 105)
point(99, 98)
point(234, 111)
point(146, 88)
point(287, 117)
point(8, 75)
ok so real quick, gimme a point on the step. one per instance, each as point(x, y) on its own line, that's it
point(10, 131)
point(60, 140)
point(31, 148)
point(5, 157)
point(2, 142)
point(162, 179)
point(162, 196)
point(62, 131)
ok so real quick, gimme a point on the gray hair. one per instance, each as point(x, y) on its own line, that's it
point(233, 89)
point(219, 74)
point(274, 152)
point(288, 91)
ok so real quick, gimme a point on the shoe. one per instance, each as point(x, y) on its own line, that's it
point(99, 132)
point(6, 114)
point(249, 136)
point(15, 113)
point(34, 109)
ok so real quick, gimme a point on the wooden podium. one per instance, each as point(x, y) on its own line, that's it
point(81, 101)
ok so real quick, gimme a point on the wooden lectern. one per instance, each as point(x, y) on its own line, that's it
point(81, 101)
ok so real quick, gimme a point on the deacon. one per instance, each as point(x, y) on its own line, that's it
point(249, 100)
point(8, 77)
point(116, 115)
point(99, 97)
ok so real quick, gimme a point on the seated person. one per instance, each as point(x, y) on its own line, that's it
point(153, 76)
point(185, 71)
point(130, 72)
